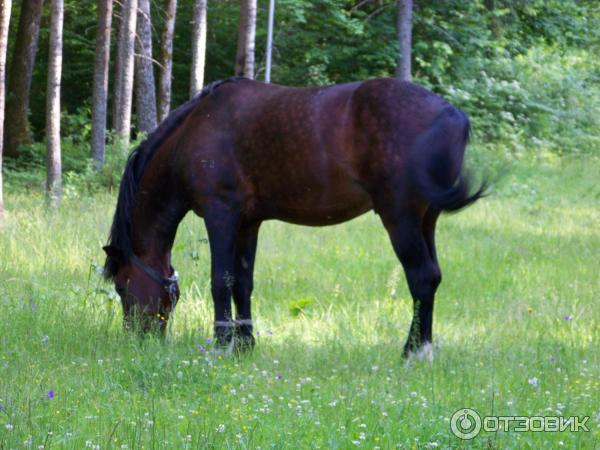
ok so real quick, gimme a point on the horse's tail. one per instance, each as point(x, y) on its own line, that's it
point(437, 160)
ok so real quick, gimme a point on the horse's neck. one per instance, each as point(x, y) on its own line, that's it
point(156, 217)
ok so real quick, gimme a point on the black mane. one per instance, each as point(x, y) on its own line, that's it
point(119, 240)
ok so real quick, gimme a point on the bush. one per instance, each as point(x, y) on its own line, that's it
point(544, 100)
point(28, 172)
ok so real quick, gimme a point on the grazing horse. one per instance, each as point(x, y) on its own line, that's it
point(242, 152)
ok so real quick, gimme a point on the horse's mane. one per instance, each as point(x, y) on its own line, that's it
point(119, 239)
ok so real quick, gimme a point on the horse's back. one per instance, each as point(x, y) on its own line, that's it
point(306, 155)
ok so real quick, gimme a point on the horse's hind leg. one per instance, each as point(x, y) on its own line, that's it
point(242, 290)
point(410, 239)
point(429, 222)
point(222, 224)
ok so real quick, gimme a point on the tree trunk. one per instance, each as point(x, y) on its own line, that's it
point(125, 63)
point(244, 61)
point(404, 24)
point(166, 61)
point(198, 46)
point(269, 41)
point(19, 78)
point(494, 21)
point(145, 86)
point(54, 182)
point(101, 81)
point(5, 7)
point(116, 88)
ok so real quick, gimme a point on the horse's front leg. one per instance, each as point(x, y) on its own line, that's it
point(221, 225)
point(242, 290)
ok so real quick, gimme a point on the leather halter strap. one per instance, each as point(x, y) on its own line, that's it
point(169, 283)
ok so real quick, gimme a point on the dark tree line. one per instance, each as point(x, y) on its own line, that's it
point(135, 88)
point(134, 75)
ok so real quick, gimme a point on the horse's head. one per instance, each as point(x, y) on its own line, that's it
point(148, 295)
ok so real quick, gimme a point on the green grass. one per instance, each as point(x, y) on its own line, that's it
point(333, 310)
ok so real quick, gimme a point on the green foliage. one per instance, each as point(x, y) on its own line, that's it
point(88, 180)
point(80, 177)
point(563, 99)
point(530, 82)
point(28, 172)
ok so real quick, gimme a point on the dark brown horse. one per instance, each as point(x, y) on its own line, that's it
point(242, 152)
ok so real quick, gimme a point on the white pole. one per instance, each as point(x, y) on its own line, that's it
point(269, 41)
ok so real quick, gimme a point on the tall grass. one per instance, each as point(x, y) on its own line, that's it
point(516, 328)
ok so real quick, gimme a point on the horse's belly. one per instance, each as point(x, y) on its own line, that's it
point(319, 209)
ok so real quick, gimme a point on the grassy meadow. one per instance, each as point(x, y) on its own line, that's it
point(516, 329)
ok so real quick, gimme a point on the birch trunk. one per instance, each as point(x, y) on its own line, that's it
point(404, 24)
point(269, 56)
point(100, 95)
point(166, 61)
point(54, 180)
point(5, 7)
point(125, 64)
point(145, 86)
point(198, 46)
point(244, 61)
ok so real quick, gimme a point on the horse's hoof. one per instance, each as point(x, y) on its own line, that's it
point(224, 348)
point(224, 340)
point(422, 353)
point(244, 343)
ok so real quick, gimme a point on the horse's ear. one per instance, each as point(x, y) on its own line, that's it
point(113, 252)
